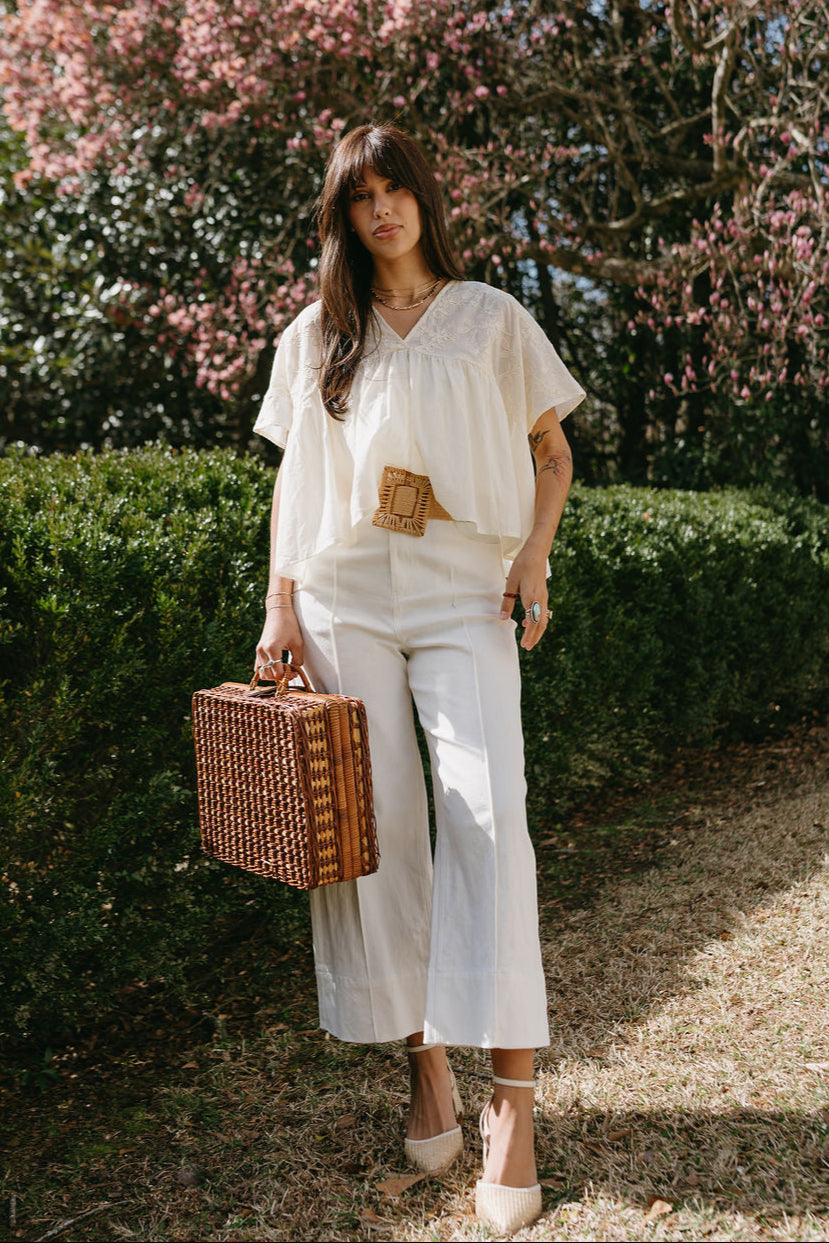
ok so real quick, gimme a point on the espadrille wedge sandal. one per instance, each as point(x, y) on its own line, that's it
point(439, 1151)
point(506, 1209)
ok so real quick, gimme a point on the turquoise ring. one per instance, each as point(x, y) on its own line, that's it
point(535, 611)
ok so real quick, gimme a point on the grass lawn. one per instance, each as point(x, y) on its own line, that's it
point(685, 1094)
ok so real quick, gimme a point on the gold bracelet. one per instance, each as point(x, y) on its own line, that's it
point(271, 594)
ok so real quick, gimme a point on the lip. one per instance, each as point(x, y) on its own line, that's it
point(386, 230)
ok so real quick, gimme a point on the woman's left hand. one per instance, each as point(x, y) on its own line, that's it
point(527, 583)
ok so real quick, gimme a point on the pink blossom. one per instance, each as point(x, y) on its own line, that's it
point(187, 92)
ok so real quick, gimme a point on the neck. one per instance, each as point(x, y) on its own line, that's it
point(405, 275)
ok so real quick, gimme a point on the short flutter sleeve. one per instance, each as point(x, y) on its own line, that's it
point(276, 413)
point(531, 375)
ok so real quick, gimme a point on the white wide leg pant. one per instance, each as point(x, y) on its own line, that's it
point(453, 950)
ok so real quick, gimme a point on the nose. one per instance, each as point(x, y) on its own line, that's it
point(381, 207)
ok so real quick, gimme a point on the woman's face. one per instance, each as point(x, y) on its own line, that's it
point(385, 217)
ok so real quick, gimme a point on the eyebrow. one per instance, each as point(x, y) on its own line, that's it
point(361, 183)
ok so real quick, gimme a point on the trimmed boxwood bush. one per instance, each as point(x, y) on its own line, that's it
point(129, 579)
point(678, 616)
point(126, 581)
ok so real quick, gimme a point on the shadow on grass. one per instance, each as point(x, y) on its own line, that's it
point(751, 1161)
point(627, 949)
point(276, 1112)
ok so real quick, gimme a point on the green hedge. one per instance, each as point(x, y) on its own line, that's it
point(127, 580)
point(678, 616)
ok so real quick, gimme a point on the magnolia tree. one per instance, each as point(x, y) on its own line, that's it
point(669, 158)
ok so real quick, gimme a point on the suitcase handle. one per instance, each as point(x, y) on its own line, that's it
point(281, 687)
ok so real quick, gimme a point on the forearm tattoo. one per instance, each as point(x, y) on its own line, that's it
point(558, 463)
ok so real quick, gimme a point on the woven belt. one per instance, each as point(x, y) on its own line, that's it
point(406, 502)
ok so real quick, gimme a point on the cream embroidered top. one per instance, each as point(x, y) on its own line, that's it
point(454, 400)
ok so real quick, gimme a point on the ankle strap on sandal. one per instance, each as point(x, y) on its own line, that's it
point(514, 1083)
point(419, 1048)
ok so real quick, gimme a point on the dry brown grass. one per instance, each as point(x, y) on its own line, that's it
point(685, 1095)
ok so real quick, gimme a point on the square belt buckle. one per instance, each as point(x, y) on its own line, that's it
point(404, 501)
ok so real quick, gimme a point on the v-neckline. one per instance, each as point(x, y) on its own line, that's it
point(402, 340)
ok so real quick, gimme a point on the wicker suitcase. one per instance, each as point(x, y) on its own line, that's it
point(284, 782)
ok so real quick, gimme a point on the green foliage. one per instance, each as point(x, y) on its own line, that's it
point(129, 579)
point(141, 298)
point(79, 367)
point(677, 616)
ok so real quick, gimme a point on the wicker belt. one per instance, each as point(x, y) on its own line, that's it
point(406, 502)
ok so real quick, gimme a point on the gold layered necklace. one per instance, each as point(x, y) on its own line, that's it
point(430, 288)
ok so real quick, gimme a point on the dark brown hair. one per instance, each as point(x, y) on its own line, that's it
point(346, 266)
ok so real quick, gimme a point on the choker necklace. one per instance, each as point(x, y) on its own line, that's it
point(399, 292)
point(411, 306)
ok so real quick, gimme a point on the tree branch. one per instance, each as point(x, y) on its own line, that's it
point(618, 271)
point(722, 77)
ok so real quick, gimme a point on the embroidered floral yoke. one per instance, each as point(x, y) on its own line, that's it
point(454, 400)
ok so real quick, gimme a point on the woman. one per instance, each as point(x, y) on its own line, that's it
point(391, 588)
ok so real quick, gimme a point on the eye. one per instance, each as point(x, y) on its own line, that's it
point(358, 195)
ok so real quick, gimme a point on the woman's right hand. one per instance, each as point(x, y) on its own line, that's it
point(281, 631)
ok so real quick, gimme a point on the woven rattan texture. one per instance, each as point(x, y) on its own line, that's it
point(284, 784)
point(420, 490)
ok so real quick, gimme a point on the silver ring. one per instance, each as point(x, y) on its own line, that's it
point(535, 611)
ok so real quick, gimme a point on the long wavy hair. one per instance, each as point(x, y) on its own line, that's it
point(346, 266)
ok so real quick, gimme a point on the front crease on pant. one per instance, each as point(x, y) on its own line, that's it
point(450, 948)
